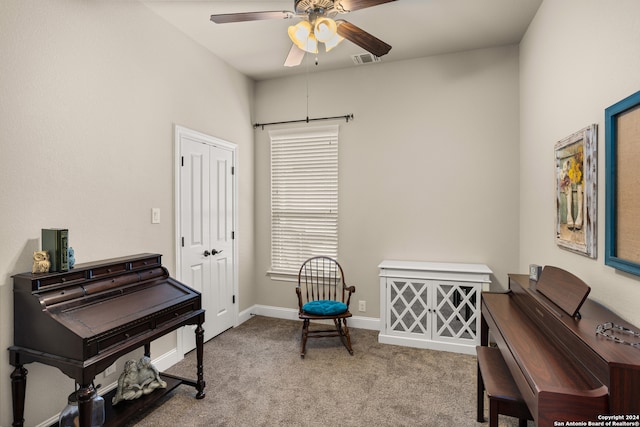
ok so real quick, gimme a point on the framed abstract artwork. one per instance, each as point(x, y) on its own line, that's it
point(576, 191)
point(622, 174)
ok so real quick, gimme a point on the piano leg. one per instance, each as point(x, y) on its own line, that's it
point(18, 391)
point(480, 397)
point(85, 405)
point(200, 384)
point(484, 340)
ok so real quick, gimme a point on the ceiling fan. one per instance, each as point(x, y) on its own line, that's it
point(317, 26)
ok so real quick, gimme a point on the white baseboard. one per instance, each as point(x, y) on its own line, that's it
point(167, 360)
point(51, 421)
point(362, 322)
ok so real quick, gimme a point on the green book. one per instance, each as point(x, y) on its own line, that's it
point(56, 241)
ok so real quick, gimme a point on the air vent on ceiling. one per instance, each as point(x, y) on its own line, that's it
point(364, 58)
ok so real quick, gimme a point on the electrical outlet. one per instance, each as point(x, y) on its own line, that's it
point(362, 305)
point(110, 370)
point(155, 215)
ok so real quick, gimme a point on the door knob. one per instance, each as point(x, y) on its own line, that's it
point(215, 252)
point(207, 253)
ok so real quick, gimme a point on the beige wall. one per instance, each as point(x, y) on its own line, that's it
point(90, 92)
point(578, 57)
point(428, 168)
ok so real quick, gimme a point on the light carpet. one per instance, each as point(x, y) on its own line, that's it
point(256, 377)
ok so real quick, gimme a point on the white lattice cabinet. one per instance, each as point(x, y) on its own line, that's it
point(432, 305)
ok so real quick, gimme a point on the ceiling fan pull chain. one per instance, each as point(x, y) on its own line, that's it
point(307, 78)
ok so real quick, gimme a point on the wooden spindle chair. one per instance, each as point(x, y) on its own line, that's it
point(323, 295)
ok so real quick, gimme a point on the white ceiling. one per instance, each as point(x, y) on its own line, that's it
point(414, 28)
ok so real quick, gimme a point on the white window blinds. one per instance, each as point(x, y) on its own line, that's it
point(304, 196)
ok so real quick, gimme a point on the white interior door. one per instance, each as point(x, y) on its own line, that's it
point(220, 295)
point(206, 229)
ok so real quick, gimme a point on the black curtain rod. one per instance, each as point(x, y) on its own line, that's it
point(307, 120)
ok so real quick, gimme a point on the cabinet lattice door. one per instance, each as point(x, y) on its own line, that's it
point(456, 311)
point(409, 306)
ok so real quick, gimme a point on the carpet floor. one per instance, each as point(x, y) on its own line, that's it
point(255, 377)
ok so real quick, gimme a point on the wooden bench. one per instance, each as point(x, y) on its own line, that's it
point(502, 391)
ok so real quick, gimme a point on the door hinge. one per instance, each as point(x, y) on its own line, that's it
point(182, 160)
point(233, 235)
point(234, 299)
point(183, 242)
point(233, 170)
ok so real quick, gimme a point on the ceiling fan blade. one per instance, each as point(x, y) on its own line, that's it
point(295, 57)
point(351, 5)
point(225, 18)
point(363, 39)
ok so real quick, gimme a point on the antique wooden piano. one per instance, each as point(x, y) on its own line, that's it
point(82, 320)
point(565, 371)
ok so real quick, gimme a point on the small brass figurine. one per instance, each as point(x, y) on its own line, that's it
point(41, 263)
point(137, 379)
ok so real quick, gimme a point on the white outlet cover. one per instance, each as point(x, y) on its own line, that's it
point(111, 369)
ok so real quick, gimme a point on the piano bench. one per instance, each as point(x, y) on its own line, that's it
point(502, 391)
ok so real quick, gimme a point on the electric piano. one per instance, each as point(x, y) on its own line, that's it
point(82, 320)
point(565, 371)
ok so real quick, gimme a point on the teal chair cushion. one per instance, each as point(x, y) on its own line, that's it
point(324, 307)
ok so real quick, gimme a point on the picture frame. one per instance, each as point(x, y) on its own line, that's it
point(622, 174)
point(576, 191)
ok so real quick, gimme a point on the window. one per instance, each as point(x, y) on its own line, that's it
point(304, 196)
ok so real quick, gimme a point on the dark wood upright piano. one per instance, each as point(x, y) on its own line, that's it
point(564, 370)
point(82, 320)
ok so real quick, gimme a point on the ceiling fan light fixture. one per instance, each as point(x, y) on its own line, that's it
point(299, 33)
point(324, 29)
point(311, 44)
point(333, 42)
point(302, 36)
